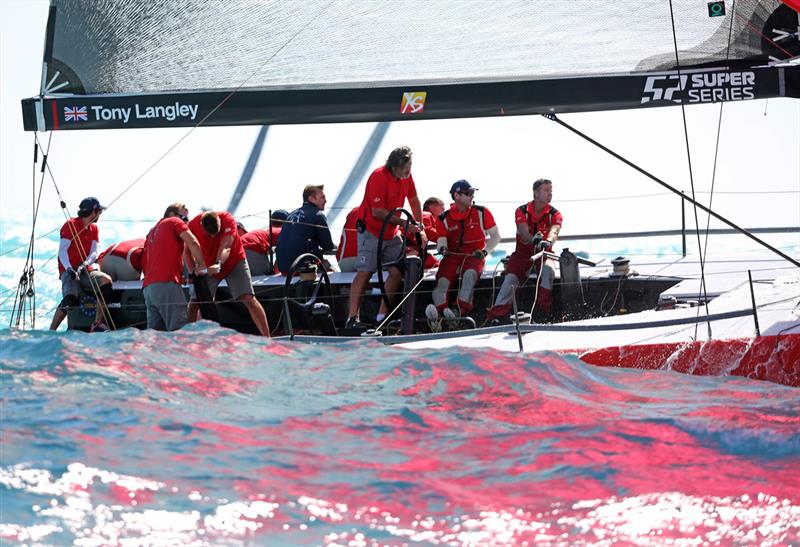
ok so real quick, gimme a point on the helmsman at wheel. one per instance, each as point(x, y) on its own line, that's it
point(388, 187)
point(466, 234)
point(538, 225)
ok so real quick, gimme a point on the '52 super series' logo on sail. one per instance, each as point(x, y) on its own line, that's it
point(124, 114)
point(704, 87)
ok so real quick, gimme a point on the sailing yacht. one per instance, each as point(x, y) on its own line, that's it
point(123, 64)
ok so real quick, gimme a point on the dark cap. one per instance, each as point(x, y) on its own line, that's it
point(279, 214)
point(461, 186)
point(90, 205)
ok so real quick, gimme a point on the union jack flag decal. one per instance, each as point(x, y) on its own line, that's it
point(75, 114)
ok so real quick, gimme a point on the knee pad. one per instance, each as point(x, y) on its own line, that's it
point(512, 279)
point(69, 301)
point(469, 278)
point(439, 295)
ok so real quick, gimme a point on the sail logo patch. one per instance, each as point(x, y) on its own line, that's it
point(75, 114)
point(706, 87)
point(413, 102)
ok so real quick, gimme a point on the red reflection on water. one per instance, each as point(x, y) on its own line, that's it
point(133, 362)
point(91, 439)
point(127, 496)
point(501, 432)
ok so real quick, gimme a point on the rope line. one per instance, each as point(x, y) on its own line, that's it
point(691, 170)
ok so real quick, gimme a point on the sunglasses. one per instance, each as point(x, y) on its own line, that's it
point(183, 218)
point(470, 193)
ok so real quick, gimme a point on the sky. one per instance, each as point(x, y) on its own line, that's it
point(757, 180)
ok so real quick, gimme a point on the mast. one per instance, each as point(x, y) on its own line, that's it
point(359, 170)
point(249, 169)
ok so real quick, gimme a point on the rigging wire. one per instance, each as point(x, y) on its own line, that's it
point(260, 214)
point(26, 292)
point(691, 170)
point(704, 253)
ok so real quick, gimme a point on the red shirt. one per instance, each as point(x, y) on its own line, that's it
point(164, 252)
point(259, 240)
point(429, 224)
point(348, 243)
point(465, 232)
point(80, 238)
point(210, 244)
point(541, 223)
point(129, 250)
point(384, 191)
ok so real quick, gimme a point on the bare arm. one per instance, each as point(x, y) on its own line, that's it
point(552, 235)
point(381, 214)
point(524, 234)
point(187, 256)
point(192, 250)
point(224, 249)
point(416, 211)
point(416, 208)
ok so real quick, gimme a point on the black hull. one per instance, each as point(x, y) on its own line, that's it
point(602, 296)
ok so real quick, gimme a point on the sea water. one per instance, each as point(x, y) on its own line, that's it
point(208, 436)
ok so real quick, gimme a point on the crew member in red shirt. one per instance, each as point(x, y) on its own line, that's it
point(538, 226)
point(432, 209)
point(123, 261)
point(222, 246)
point(163, 269)
point(388, 187)
point(462, 240)
point(259, 245)
point(77, 253)
point(347, 251)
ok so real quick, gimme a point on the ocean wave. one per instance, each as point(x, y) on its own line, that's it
point(223, 437)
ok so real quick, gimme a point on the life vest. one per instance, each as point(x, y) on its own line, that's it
point(479, 208)
point(524, 209)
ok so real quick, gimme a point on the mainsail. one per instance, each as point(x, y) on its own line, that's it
point(168, 63)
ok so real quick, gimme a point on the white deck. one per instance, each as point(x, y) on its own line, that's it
point(776, 287)
point(777, 294)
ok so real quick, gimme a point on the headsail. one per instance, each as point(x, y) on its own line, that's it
point(123, 63)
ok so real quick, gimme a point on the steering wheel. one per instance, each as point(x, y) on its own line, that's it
point(322, 282)
point(396, 261)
